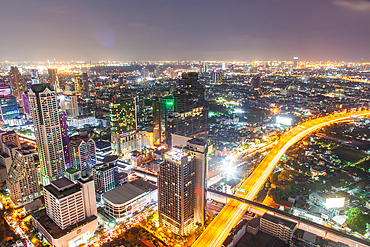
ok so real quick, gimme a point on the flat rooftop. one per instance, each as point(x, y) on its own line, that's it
point(280, 221)
point(62, 187)
point(128, 191)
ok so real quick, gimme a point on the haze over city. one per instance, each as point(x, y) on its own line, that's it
point(185, 30)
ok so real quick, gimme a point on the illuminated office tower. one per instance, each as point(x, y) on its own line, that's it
point(9, 110)
point(22, 177)
point(83, 153)
point(123, 125)
point(295, 62)
point(53, 79)
point(162, 107)
point(144, 73)
point(199, 149)
point(78, 83)
point(17, 85)
point(69, 104)
point(44, 107)
point(65, 138)
point(190, 116)
point(85, 85)
point(216, 77)
point(176, 192)
point(223, 66)
point(35, 76)
point(256, 82)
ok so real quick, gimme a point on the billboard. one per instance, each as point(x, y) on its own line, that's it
point(283, 120)
point(335, 202)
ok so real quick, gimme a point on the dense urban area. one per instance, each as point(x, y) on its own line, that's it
point(185, 153)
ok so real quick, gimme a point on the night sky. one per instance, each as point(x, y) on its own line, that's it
point(185, 30)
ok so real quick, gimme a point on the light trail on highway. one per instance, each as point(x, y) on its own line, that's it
point(218, 230)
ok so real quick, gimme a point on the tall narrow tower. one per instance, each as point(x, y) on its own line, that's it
point(44, 107)
point(17, 85)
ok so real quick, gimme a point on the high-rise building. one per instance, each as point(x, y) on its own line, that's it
point(256, 82)
point(53, 79)
point(83, 153)
point(70, 214)
point(176, 192)
point(44, 107)
point(144, 73)
point(105, 176)
point(199, 149)
point(81, 84)
point(190, 116)
point(162, 107)
point(65, 138)
point(22, 179)
point(69, 104)
point(123, 124)
point(26, 104)
point(9, 110)
point(193, 123)
point(223, 66)
point(216, 77)
point(295, 62)
point(35, 76)
point(17, 84)
point(85, 85)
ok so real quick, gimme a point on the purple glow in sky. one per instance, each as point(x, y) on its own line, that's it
point(185, 30)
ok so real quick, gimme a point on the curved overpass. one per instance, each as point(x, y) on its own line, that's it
point(219, 229)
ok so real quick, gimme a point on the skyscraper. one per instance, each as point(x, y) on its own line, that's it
point(35, 76)
point(53, 79)
point(69, 104)
point(17, 85)
point(199, 149)
point(216, 77)
point(83, 153)
point(44, 107)
point(190, 116)
point(123, 124)
point(26, 104)
point(65, 138)
point(162, 107)
point(9, 110)
point(176, 192)
point(85, 85)
point(295, 62)
point(22, 177)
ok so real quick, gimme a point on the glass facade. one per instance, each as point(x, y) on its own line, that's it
point(9, 108)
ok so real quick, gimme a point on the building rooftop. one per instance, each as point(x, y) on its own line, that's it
point(53, 229)
point(110, 158)
point(128, 191)
point(197, 141)
point(72, 170)
point(279, 221)
point(62, 187)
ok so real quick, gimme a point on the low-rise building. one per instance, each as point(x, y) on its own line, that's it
point(129, 198)
point(277, 227)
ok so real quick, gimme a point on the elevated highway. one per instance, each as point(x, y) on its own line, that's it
point(304, 224)
point(218, 230)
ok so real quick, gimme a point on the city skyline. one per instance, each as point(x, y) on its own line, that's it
point(256, 30)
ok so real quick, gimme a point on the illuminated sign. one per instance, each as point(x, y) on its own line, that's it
point(335, 202)
point(284, 120)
